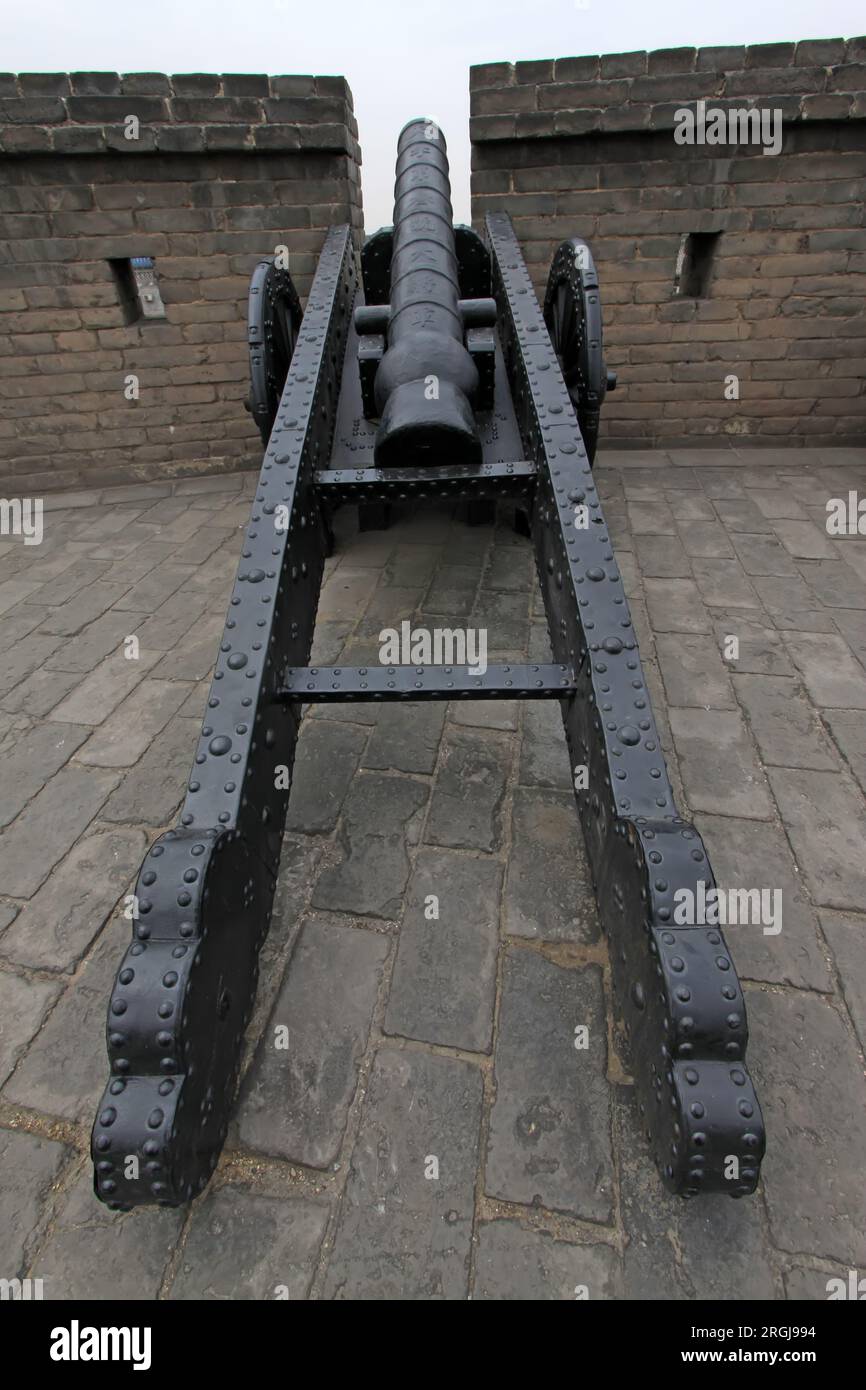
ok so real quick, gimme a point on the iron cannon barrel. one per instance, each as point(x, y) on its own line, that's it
point(426, 382)
point(424, 284)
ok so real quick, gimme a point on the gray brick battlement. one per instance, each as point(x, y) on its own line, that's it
point(205, 174)
point(770, 346)
point(88, 112)
point(816, 80)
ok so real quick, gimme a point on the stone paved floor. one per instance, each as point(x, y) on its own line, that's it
point(417, 1043)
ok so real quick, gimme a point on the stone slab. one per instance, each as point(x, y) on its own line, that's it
point(403, 1234)
point(549, 1142)
point(444, 984)
point(296, 1097)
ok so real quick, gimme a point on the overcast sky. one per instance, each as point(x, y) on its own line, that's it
point(401, 59)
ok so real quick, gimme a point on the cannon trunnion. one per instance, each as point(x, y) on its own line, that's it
point(433, 374)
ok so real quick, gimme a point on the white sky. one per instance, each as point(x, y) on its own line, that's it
point(401, 59)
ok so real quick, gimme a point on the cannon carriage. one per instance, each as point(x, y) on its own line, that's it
point(433, 373)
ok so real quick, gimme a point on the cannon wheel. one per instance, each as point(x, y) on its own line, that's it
point(572, 312)
point(274, 320)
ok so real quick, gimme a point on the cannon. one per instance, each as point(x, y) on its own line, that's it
point(431, 373)
point(425, 383)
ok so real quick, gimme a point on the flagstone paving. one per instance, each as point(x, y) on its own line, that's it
point(430, 1129)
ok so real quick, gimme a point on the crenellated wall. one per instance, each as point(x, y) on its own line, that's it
point(586, 146)
point(221, 170)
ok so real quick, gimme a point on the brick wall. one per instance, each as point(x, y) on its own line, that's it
point(585, 146)
point(224, 169)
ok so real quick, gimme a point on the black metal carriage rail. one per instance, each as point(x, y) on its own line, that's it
point(488, 481)
point(343, 684)
point(185, 987)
